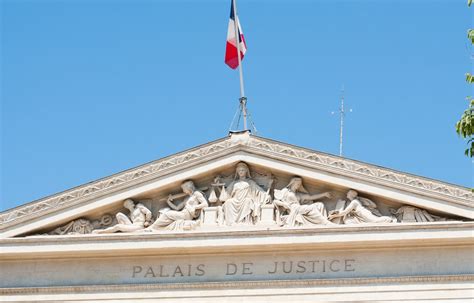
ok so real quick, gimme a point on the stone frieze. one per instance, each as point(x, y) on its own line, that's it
point(320, 160)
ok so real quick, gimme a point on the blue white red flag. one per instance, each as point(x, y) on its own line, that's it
point(231, 58)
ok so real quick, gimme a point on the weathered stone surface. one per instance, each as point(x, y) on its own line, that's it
point(236, 267)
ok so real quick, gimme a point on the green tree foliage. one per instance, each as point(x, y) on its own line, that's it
point(465, 125)
point(465, 128)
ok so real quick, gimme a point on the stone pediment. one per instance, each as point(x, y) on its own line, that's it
point(272, 166)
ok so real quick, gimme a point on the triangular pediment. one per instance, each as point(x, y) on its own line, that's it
point(151, 183)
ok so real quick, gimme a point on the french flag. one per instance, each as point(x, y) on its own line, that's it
point(231, 58)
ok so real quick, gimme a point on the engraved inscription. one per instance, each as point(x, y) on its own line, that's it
point(162, 271)
point(309, 267)
point(242, 268)
point(312, 266)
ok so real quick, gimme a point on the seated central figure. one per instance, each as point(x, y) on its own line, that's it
point(244, 198)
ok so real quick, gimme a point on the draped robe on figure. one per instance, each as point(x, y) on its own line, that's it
point(299, 215)
point(365, 214)
point(244, 204)
point(182, 219)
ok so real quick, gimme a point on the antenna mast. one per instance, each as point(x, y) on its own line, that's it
point(342, 114)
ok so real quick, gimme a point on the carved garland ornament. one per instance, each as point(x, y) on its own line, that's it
point(351, 166)
point(76, 196)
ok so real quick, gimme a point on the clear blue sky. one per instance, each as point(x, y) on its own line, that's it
point(91, 88)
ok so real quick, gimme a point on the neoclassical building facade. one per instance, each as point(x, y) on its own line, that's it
point(244, 218)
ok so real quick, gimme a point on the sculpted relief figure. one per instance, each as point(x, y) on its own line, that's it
point(183, 215)
point(243, 198)
point(82, 226)
point(360, 210)
point(218, 185)
point(291, 199)
point(412, 214)
point(140, 218)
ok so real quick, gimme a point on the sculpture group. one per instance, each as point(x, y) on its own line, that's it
point(242, 201)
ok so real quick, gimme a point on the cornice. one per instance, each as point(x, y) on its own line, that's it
point(206, 152)
point(235, 232)
point(365, 171)
point(368, 237)
point(113, 183)
point(236, 285)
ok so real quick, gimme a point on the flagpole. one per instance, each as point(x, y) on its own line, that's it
point(243, 99)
